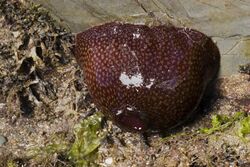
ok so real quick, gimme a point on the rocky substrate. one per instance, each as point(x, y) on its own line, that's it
point(47, 117)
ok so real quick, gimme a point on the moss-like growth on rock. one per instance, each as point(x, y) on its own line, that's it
point(89, 136)
point(244, 129)
point(221, 122)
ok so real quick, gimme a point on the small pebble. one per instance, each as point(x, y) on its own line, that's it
point(109, 161)
point(16, 34)
point(3, 140)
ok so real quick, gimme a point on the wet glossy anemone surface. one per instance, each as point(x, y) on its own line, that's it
point(146, 78)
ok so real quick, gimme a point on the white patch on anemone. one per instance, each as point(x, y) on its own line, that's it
point(115, 30)
point(130, 108)
point(119, 112)
point(136, 34)
point(135, 80)
point(151, 83)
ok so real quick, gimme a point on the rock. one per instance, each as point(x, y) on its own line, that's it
point(3, 140)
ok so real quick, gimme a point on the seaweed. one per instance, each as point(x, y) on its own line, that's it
point(51, 153)
point(89, 136)
point(244, 128)
point(222, 122)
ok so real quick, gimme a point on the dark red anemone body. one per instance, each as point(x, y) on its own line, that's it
point(146, 77)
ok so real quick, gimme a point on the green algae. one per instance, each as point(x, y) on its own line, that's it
point(222, 122)
point(82, 152)
point(244, 129)
point(11, 164)
point(48, 154)
point(88, 137)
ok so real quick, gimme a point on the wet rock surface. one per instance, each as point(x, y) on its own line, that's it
point(3, 140)
point(217, 19)
point(43, 97)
